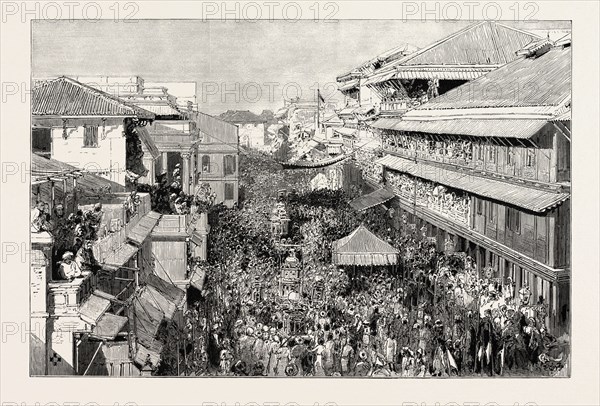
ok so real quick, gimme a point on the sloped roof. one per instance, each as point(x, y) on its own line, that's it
point(170, 291)
point(486, 44)
point(67, 97)
point(42, 169)
point(241, 116)
point(364, 248)
point(536, 81)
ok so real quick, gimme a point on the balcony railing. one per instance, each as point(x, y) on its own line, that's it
point(430, 156)
point(66, 296)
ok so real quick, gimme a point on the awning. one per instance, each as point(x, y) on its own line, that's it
point(152, 295)
point(372, 199)
point(350, 132)
point(143, 228)
point(363, 248)
point(109, 326)
point(167, 289)
point(146, 319)
point(94, 307)
point(509, 128)
point(348, 85)
point(148, 354)
point(197, 279)
point(445, 73)
point(148, 142)
point(528, 198)
point(386, 123)
point(120, 257)
point(347, 110)
point(379, 78)
point(364, 110)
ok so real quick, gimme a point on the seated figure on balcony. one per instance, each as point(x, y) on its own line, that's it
point(69, 269)
point(39, 218)
point(85, 258)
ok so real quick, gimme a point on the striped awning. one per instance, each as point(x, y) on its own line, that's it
point(372, 199)
point(504, 128)
point(521, 196)
point(143, 228)
point(120, 257)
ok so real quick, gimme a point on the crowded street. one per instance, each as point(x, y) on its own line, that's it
point(428, 315)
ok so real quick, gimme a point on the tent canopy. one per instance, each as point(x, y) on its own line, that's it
point(363, 248)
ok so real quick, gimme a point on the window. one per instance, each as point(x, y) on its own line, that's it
point(229, 191)
point(513, 220)
point(491, 212)
point(491, 154)
point(480, 152)
point(90, 136)
point(206, 164)
point(479, 206)
point(530, 157)
point(510, 156)
point(229, 165)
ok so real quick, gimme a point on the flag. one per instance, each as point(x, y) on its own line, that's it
point(451, 361)
point(488, 352)
point(320, 97)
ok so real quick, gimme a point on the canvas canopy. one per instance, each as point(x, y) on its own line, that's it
point(363, 248)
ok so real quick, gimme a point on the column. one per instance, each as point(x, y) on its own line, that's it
point(193, 170)
point(185, 173)
point(164, 162)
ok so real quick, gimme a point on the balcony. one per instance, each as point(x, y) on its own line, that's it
point(449, 205)
point(65, 297)
point(431, 155)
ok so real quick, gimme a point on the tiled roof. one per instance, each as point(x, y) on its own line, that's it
point(484, 44)
point(241, 116)
point(541, 81)
point(67, 97)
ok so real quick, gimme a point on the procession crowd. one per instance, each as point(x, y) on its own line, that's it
point(430, 315)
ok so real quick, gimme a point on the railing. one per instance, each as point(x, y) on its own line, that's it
point(67, 296)
point(429, 156)
point(394, 105)
point(455, 209)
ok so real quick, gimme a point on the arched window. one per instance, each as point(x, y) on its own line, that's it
point(229, 165)
point(205, 164)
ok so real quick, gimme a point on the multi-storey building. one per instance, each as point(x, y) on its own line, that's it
point(422, 74)
point(90, 129)
point(487, 168)
point(217, 158)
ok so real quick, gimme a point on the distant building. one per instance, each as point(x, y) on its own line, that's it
point(252, 127)
point(217, 158)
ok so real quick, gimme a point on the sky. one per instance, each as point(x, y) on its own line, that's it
point(240, 65)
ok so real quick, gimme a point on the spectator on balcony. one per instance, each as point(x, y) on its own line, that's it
point(85, 258)
point(39, 220)
point(69, 269)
